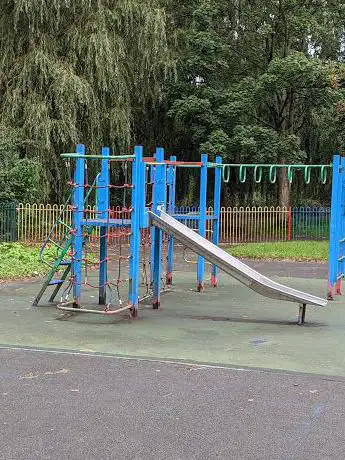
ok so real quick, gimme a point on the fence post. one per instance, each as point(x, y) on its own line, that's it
point(289, 224)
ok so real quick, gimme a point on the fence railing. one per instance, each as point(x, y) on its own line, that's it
point(32, 222)
point(310, 223)
point(255, 224)
point(8, 222)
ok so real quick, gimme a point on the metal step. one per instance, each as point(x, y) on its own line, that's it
point(54, 282)
point(64, 224)
point(65, 262)
point(55, 243)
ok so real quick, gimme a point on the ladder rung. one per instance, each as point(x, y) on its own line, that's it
point(55, 243)
point(341, 258)
point(342, 240)
point(65, 262)
point(64, 224)
point(54, 282)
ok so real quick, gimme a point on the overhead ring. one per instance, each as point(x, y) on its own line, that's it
point(323, 174)
point(257, 174)
point(290, 173)
point(307, 174)
point(272, 174)
point(242, 175)
point(226, 173)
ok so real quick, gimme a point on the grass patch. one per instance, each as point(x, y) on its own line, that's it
point(285, 250)
point(20, 261)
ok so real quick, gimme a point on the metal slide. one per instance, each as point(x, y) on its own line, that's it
point(232, 266)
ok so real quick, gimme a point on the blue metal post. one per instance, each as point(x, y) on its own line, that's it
point(216, 214)
point(142, 196)
point(159, 200)
point(341, 222)
point(334, 225)
point(103, 214)
point(171, 183)
point(134, 261)
point(78, 215)
point(152, 230)
point(202, 219)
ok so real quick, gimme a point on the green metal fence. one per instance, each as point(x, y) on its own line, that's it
point(8, 222)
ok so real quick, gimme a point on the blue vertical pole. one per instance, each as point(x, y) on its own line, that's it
point(152, 230)
point(142, 195)
point(78, 216)
point(134, 260)
point(171, 179)
point(216, 214)
point(341, 239)
point(334, 234)
point(103, 214)
point(202, 219)
point(159, 199)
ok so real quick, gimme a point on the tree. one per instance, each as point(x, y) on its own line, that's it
point(79, 71)
point(261, 85)
point(19, 177)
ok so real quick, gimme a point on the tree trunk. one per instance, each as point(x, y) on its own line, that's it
point(284, 188)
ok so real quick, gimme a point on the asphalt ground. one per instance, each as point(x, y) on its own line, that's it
point(65, 406)
point(225, 374)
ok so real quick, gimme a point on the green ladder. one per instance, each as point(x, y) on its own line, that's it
point(60, 261)
point(62, 249)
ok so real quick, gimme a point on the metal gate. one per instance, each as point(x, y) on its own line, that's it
point(8, 222)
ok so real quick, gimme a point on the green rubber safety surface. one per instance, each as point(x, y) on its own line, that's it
point(229, 326)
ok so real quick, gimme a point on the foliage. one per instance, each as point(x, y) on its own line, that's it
point(20, 261)
point(19, 177)
point(79, 71)
point(254, 80)
point(263, 87)
point(286, 250)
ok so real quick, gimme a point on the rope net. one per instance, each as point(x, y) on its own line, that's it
point(111, 228)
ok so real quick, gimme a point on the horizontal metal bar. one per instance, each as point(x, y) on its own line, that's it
point(191, 217)
point(55, 243)
point(177, 164)
point(107, 222)
point(266, 165)
point(87, 310)
point(97, 157)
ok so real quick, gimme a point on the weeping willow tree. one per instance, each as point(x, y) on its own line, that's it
point(79, 71)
